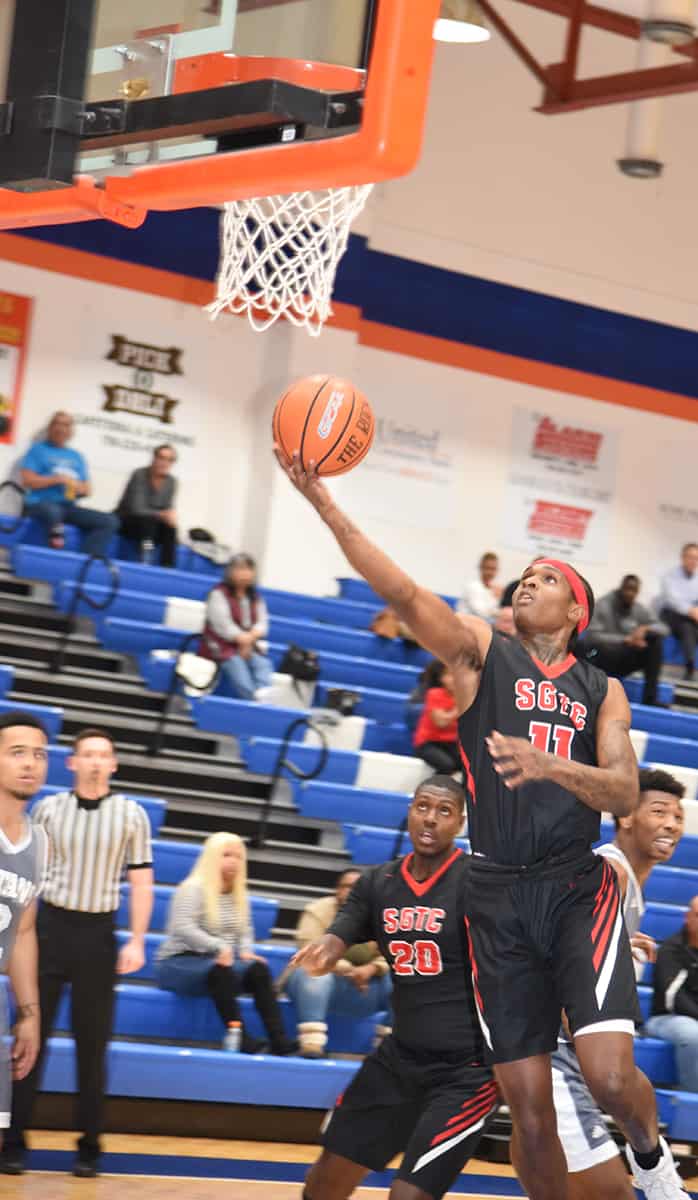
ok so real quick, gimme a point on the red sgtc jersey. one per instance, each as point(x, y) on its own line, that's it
point(420, 930)
point(557, 709)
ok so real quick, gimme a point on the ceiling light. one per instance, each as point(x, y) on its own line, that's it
point(460, 21)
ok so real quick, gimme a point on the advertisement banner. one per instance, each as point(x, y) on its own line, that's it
point(15, 316)
point(409, 476)
point(560, 491)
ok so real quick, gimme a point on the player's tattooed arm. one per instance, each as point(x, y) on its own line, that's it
point(462, 643)
point(612, 786)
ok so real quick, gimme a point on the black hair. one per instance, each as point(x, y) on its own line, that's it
point(243, 560)
point(574, 636)
point(653, 779)
point(17, 716)
point(432, 674)
point(350, 870)
point(92, 732)
point(443, 783)
point(630, 579)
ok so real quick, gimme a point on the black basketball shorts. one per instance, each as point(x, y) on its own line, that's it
point(433, 1112)
point(544, 939)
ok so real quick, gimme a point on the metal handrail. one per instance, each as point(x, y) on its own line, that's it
point(282, 763)
point(159, 735)
point(16, 521)
point(399, 838)
point(56, 663)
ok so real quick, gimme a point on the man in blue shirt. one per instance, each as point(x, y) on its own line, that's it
point(679, 604)
point(55, 478)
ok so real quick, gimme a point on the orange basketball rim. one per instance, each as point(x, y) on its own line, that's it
point(387, 144)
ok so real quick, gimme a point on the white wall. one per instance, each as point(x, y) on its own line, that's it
point(231, 485)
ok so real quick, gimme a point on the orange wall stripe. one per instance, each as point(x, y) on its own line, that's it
point(97, 268)
point(527, 370)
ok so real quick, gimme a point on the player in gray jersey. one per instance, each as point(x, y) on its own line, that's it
point(23, 861)
point(648, 837)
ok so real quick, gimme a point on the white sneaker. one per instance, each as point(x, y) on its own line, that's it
point(663, 1182)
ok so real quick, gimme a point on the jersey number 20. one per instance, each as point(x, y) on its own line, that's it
point(540, 734)
point(420, 958)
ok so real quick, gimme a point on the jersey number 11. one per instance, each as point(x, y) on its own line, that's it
point(542, 733)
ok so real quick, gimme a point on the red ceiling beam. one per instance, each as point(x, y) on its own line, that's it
point(520, 50)
point(622, 88)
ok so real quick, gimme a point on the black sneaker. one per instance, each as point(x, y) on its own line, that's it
point(86, 1168)
point(12, 1162)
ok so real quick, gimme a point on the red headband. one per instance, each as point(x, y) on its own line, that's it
point(578, 589)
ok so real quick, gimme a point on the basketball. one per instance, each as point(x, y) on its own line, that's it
point(327, 420)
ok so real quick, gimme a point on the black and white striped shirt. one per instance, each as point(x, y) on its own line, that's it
point(91, 841)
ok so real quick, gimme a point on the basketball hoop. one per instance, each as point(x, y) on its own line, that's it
point(280, 254)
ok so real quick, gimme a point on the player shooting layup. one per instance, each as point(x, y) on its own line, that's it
point(546, 746)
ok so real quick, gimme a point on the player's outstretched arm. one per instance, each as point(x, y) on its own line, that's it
point(612, 787)
point(455, 640)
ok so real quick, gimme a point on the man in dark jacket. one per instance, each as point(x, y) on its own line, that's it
point(624, 637)
point(146, 508)
point(675, 1004)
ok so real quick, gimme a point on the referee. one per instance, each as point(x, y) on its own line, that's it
point(93, 834)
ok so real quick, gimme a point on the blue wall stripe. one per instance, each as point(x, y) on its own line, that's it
point(424, 299)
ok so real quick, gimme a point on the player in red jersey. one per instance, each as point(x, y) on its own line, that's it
point(546, 749)
point(425, 1092)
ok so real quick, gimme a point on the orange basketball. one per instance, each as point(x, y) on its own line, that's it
point(327, 420)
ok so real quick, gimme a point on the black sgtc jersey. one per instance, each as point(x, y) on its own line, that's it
point(554, 707)
point(420, 930)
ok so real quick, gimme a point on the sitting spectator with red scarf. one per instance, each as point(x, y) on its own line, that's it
point(236, 623)
point(436, 735)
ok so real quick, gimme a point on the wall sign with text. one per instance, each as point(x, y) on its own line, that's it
point(562, 478)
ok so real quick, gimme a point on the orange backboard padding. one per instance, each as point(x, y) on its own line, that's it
point(215, 70)
point(387, 145)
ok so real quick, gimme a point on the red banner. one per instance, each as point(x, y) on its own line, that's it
point(15, 317)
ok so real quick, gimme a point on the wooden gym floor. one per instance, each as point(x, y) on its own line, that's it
point(158, 1168)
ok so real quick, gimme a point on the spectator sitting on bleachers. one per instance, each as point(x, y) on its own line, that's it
point(436, 735)
point(236, 622)
point(482, 595)
point(146, 508)
point(55, 477)
point(624, 637)
point(208, 947)
point(358, 985)
point(678, 604)
point(675, 1002)
point(430, 677)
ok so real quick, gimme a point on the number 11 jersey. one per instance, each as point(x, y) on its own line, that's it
point(420, 929)
point(555, 707)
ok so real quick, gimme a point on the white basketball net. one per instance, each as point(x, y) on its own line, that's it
point(280, 255)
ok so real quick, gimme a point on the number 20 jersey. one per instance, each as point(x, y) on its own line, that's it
point(556, 708)
point(420, 929)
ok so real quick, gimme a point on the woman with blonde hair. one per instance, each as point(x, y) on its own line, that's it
point(208, 946)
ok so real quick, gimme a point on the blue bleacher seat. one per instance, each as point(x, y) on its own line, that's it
point(263, 911)
point(680, 1111)
point(672, 885)
point(369, 845)
point(656, 1059)
point(37, 562)
point(662, 920)
point(261, 754)
point(634, 686)
point(51, 716)
point(276, 955)
point(151, 1013)
point(184, 1073)
point(665, 721)
point(355, 806)
point(7, 675)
